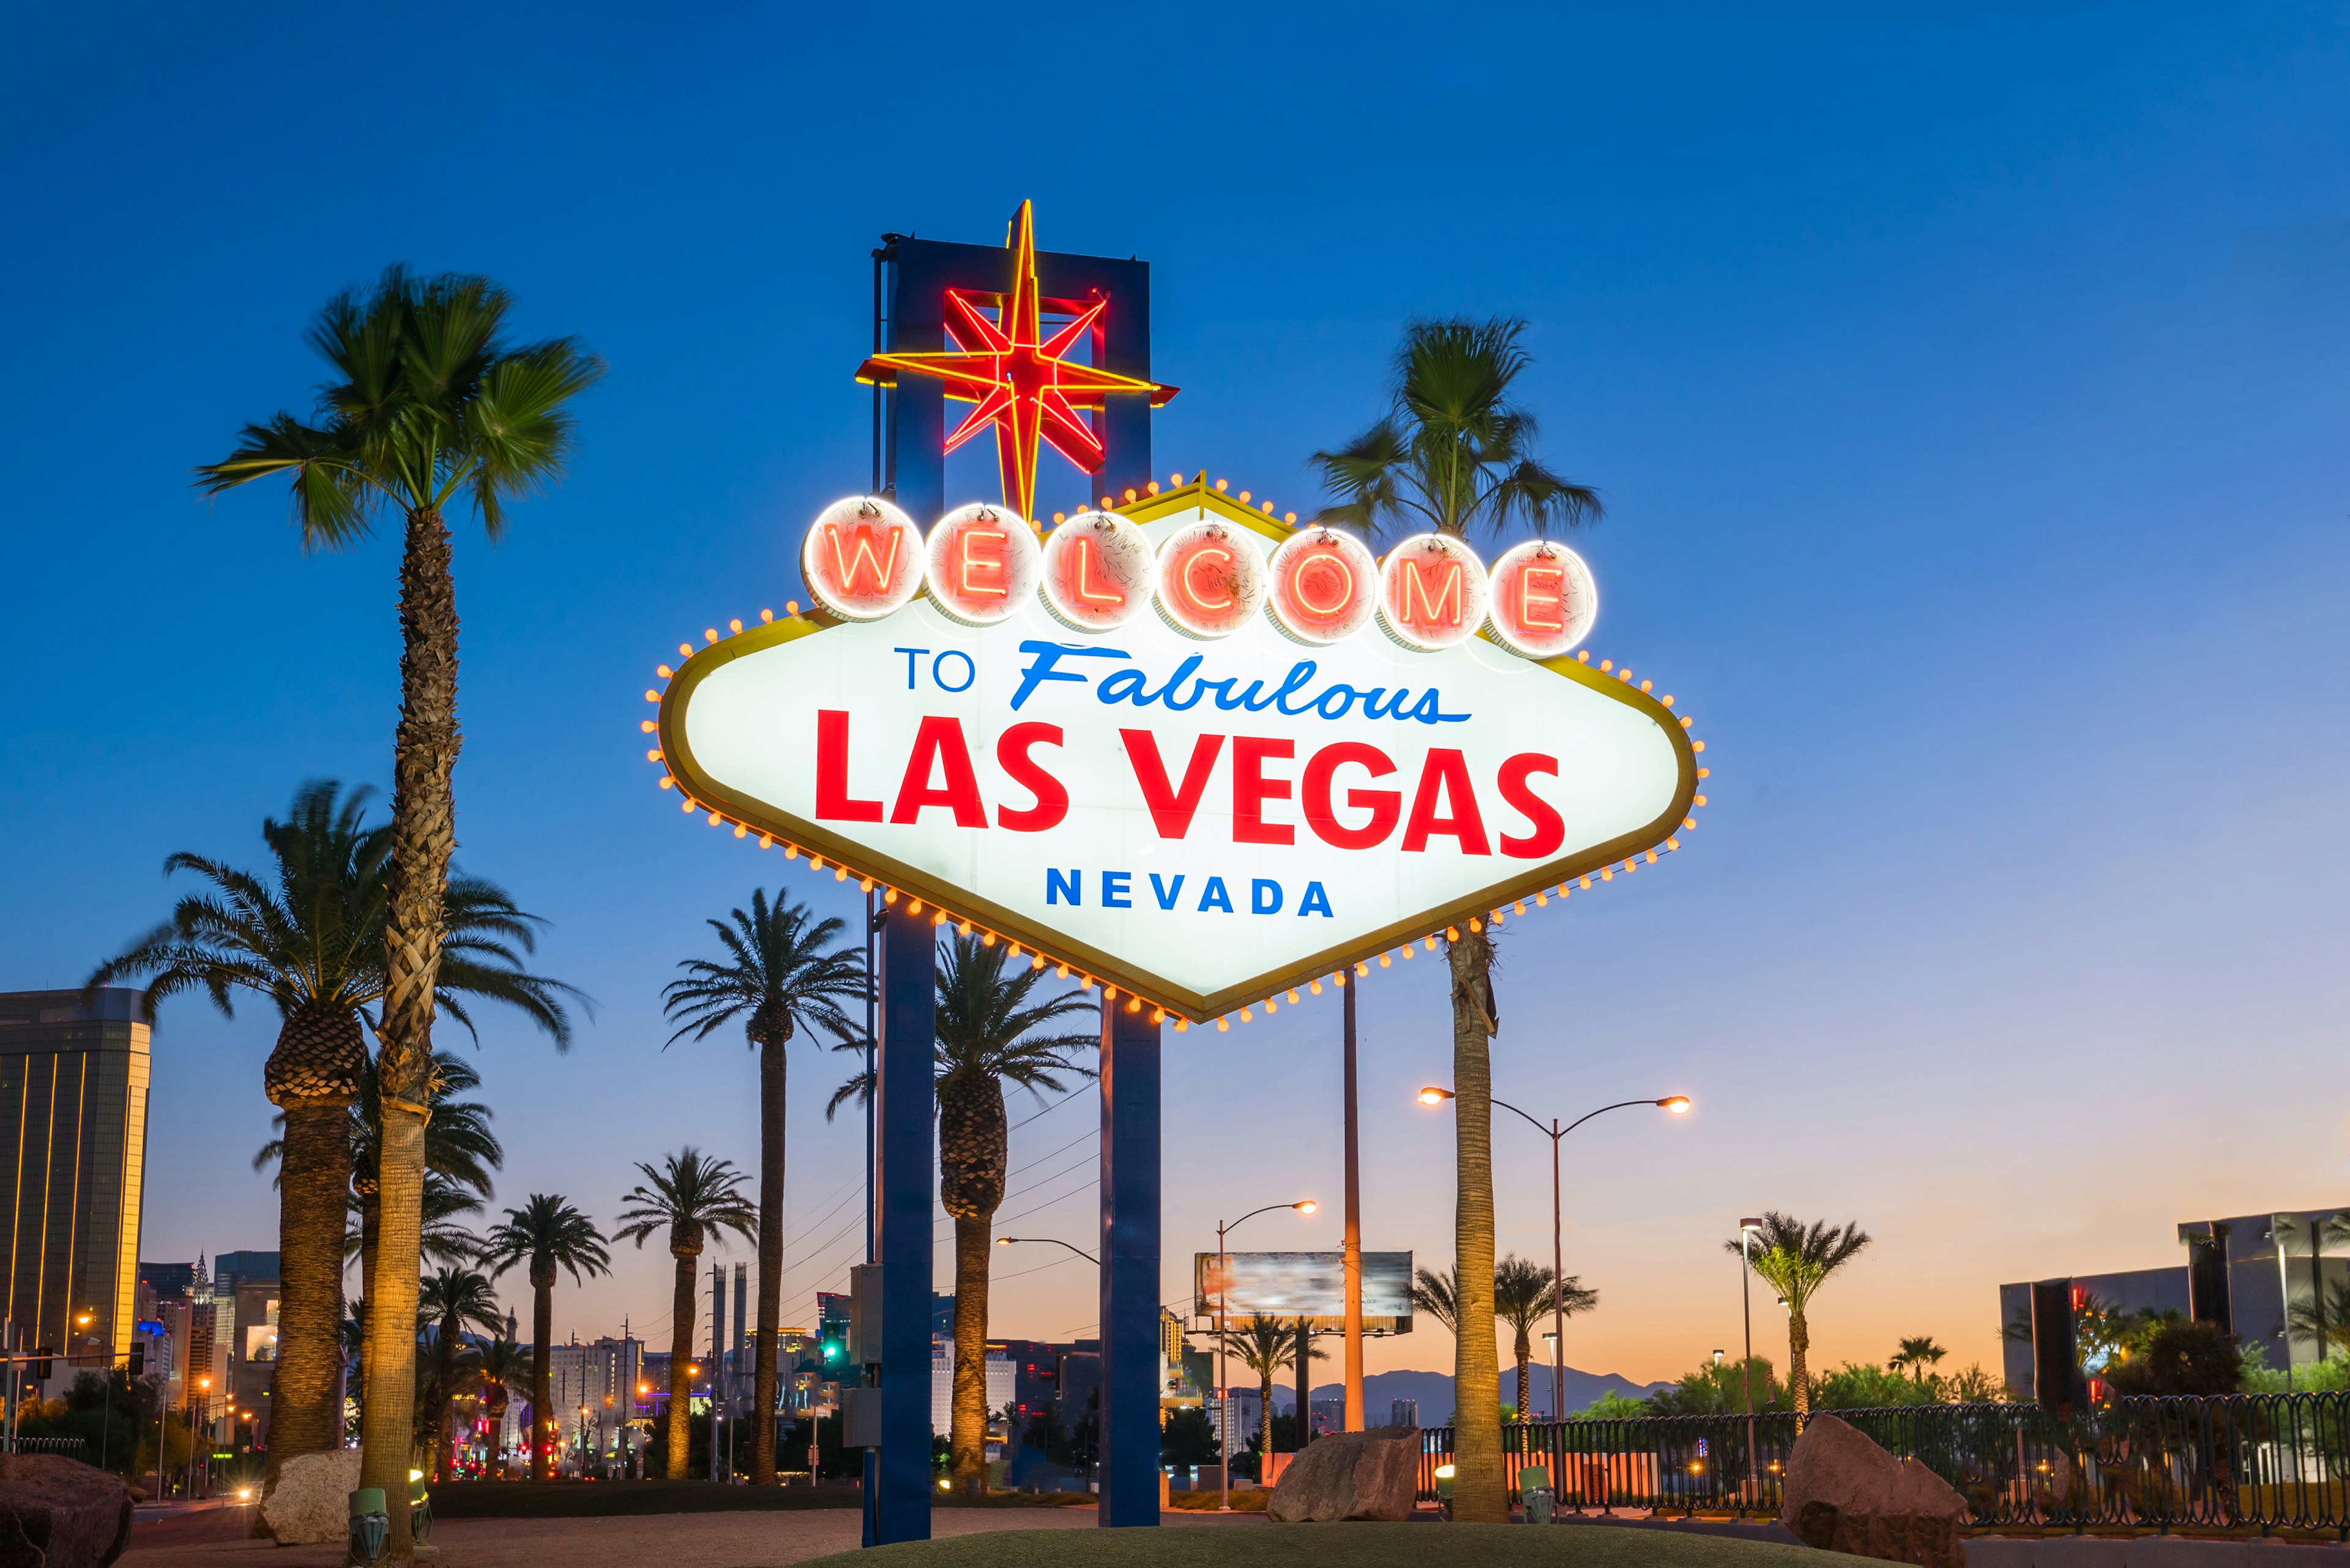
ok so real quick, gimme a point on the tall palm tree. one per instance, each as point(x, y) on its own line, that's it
point(1521, 1298)
point(450, 1301)
point(783, 970)
point(545, 1234)
point(1795, 1261)
point(429, 406)
point(689, 1196)
point(1455, 453)
point(1438, 1296)
point(309, 936)
point(1915, 1354)
point(1264, 1346)
point(985, 1023)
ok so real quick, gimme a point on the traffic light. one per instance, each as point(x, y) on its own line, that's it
point(138, 1361)
point(832, 1343)
point(41, 1368)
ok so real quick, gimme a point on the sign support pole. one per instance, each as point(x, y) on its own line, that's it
point(905, 1099)
point(1129, 1463)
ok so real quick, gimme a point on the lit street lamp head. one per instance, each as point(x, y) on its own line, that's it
point(1432, 1096)
point(1677, 1104)
point(1306, 1205)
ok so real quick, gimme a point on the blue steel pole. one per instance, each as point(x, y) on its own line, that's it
point(1128, 1466)
point(905, 1098)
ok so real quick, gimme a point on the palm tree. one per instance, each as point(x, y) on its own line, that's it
point(1916, 1353)
point(1304, 1360)
point(545, 1234)
point(1796, 1260)
point(1455, 453)
point(1438, 1296)
point(983, 1019)
point(689, 1196)
point(450, 1301)
point(430, 406)
point(502, 1366)
point(1521, 1298)
point(1264, 1346)
point(782, 972)
point(310, 936)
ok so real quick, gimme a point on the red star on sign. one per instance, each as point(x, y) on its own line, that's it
point(1017, 377)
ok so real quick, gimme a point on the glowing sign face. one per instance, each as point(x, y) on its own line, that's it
point(1544, 601)
point(1211, 578)
point(1432, 592)
point(863, 559)
point(1098, 571)
point(1197, 820)
point(1324, 586)
point(984, 563)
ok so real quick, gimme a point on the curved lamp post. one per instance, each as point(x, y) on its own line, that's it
point(1223, 1389)
point(1049, 1242)
point(1677, 1105)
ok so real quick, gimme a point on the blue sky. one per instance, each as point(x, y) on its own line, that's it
point(1968, 386)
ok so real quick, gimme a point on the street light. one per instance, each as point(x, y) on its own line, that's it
point(1676, 1104)
point(1223, 1388)
point(1051, 1241)
point(1746, 1229)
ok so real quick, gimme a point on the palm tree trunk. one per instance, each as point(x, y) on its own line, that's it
point(1799, 1340)
point(1264, 1426)
point(1305, 1383)
point(680, 1355)
point(967, 1420)
point(1479, 1495)
point(387, 1426)
point(444, 1401)
point(370, 1193)
point(314, 1173)
point(771, 1261)
point(1525, 1389)
point(424, 833)
point(542, 1383)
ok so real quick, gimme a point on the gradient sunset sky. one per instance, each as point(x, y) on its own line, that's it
point(1969, 385)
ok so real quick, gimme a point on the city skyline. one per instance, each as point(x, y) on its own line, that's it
point(1965, 390)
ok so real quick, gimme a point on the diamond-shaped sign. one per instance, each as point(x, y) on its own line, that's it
point(1198, 820)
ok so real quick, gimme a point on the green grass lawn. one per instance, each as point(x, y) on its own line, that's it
point(1416, 1545)
point(605, 1500)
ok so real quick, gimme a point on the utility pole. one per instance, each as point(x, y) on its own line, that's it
point(1355, 1419)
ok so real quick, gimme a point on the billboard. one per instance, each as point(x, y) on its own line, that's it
point(1305, 1284)
point(1193, 754)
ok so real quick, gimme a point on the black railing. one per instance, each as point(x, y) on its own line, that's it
point(71, 1446)
point(2256, 1462)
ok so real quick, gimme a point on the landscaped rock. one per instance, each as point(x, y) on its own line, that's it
point(60, 1513)
point(312, 1504)
point(1844, 1493)
point(1349, 1475)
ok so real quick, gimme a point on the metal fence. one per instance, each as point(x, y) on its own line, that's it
point(69, 1446)
point(2255, 1462)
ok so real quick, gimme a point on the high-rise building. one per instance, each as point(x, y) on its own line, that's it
point(73, 1144)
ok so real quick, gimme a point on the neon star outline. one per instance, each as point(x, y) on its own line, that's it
point(1018, 379)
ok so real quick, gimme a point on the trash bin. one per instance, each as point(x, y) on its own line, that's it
point(370, 1525)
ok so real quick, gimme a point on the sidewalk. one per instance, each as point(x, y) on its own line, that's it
point(671, 1540)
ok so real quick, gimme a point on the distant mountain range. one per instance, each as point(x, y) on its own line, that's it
point(1434, 1391)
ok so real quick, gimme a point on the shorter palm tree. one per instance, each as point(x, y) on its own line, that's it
point(1438, 1296)
point(502, 1366)
point(449, 1303)
point(547, 1234)
point(1796, 1260)
point(1264, 1346)
point(689, 1197)
point(1522, 1299)
point(1915, 1354)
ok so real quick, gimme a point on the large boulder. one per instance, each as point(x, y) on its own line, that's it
point(1349, 1475)
point(1844, 1493)
point(60, 1513)
point(312, 1504)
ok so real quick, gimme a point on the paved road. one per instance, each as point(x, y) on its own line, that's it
point(215, 1538)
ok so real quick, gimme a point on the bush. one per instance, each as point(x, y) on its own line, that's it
point(2181, 1356)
